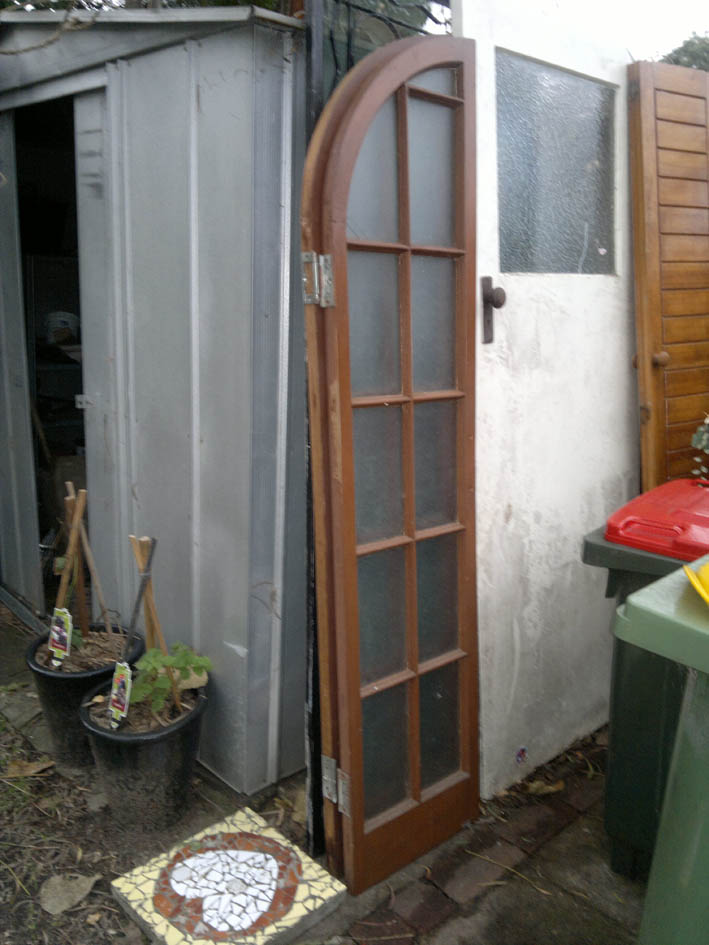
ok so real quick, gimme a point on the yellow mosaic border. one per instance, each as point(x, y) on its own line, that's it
point(316, 889)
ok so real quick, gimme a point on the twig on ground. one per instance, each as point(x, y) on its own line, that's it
point(14, 875)
point(544, 892)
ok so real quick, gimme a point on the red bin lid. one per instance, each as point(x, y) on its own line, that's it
point(671, 519)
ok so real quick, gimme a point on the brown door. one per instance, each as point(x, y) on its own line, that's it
point(668, 148)
point(389, 204)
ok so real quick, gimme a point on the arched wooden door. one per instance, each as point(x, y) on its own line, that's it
point(389, 225)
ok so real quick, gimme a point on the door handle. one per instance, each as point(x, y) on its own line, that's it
point(661, 358)
point(492, 298)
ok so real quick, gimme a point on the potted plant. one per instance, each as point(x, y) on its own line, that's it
point(88, 651)
point(146, 760)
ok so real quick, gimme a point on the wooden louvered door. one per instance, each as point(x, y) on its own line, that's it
point(389, 201)
point(668, 148)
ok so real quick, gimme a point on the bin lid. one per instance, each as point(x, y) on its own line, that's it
point(668, 618)
point(671, 519)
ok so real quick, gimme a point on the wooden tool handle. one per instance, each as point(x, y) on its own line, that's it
point(79, 507)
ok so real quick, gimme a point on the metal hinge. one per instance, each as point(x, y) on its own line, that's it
point(645, 411)
point(633, 89)
point(81, 401)
point(329, 778)
point(343, 793)
point(318, 282)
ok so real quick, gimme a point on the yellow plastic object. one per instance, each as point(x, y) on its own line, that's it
point(699, 580)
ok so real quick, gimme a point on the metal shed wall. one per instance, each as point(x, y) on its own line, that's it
point(193, 353)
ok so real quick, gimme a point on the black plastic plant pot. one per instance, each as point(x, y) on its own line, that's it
point(146, 776)
point(60, 696)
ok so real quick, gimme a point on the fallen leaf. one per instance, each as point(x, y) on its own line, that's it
point(97, 700)
point(79, 854)
point(27, 769)
point(61, 892)
point(543, 787)
point(93, 918)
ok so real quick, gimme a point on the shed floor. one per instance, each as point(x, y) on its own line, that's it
point(534, 869)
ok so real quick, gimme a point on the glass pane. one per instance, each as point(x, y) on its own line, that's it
point(377, 463)
point(435, 463)
point(439, 727)
point(373, 207)
point(555, 169)
point(381, 585)
point(431, 172)
point(437, 595)
point(437, 80)
point(374, 323)
point(433, 322)
point(385, 749)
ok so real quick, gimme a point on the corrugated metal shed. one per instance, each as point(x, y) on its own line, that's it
point(189, 137)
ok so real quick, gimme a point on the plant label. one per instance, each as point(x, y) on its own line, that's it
point(120, 693)
point(59, 643)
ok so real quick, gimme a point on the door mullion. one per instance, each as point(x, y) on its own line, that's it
point(408, 439)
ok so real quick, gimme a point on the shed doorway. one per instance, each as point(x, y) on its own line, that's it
point(47, 211)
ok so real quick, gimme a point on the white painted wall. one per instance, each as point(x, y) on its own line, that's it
point(557, 439)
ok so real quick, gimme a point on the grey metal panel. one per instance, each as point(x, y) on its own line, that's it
point(156, 110)
point(293, 661)
point(113, 35)
point(93, 189)
point(56, 88)
point(271, 190)
point(19, 529)
point(221, 170)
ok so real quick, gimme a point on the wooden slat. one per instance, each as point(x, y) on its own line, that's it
point(685, 248)
point(692, 355)
point(682, 164)
point(692, 381)
point(689, 328)
point(679, 79)
point(679, 137)
point(684, 220)
point(685, 275)
point(683, 409)
point(674, 107)
point(679, 436)
point(685, 302)
point(680, 464)
point(682, 193)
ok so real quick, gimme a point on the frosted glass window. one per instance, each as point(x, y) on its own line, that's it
point(437, 595)
point(385, 749)
point(437, 80)
point(381, 580)
point(431, 172)
point(374, 323)
point(377, 464)
point(433, 322)
point(373, 206)
point(555, 169)
point(435, 462)
point(439, 726)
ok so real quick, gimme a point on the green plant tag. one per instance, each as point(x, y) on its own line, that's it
point(59, 643)
point(120, 693)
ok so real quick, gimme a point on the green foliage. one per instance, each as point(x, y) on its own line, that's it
point(693, 53)
point(152, 681)
point(700, 441)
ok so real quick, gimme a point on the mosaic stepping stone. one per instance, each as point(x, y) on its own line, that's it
point(238, 881)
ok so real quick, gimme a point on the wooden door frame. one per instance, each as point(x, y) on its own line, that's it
point(328, 180)
point(311, 241)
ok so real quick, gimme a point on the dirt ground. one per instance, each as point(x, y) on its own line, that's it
point(55, 823)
